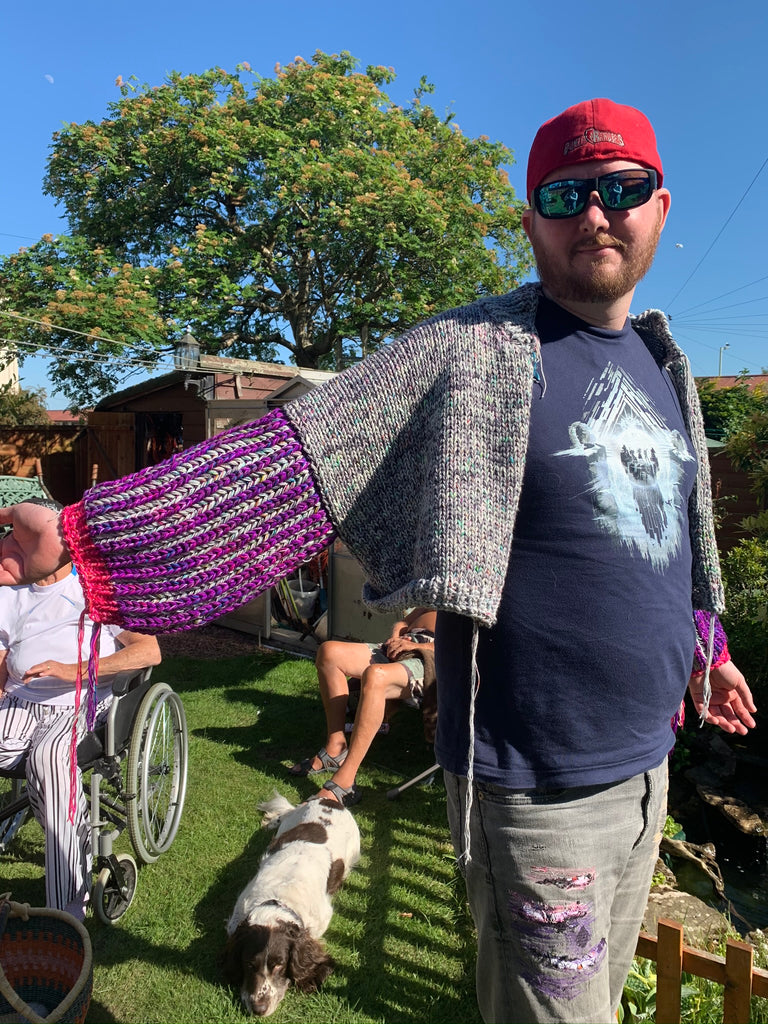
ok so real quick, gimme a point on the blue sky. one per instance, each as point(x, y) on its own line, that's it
point(502, 66)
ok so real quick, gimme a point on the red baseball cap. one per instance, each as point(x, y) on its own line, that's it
point(593, 130)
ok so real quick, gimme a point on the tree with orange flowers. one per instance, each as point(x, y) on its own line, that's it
point(305, 214)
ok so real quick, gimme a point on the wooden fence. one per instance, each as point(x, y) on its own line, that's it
point(735, 972)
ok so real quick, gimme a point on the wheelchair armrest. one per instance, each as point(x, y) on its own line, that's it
point(19, 771)
point(122, 682)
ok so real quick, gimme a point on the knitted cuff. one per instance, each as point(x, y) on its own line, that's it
point(181, 543)
point(720, 652)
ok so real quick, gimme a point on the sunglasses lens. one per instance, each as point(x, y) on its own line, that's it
point(562, 198)
point(625, 189)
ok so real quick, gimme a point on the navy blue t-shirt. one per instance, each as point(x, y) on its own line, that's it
point(594, 641)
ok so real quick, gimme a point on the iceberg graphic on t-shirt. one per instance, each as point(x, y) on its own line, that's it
point(636, 466)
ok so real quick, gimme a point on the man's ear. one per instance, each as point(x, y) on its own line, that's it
point(664, 197)
point(527, 221)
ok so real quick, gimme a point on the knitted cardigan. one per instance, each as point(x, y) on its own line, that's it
point(414, 457)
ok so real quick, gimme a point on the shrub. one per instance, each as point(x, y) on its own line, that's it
point(745, 574)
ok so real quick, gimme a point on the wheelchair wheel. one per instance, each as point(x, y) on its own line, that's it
point(157, 772)
point(110, 901)
point(11, 790)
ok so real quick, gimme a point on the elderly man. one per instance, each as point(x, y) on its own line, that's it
point(534, 467)
point(39, 625)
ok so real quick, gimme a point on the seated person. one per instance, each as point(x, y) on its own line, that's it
point(382, 678)
point(37, 712)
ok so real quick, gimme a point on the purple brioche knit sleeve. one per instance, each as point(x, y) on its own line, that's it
point(181, 543)
point(720, 653)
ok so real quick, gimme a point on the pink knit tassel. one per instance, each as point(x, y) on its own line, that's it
point(73, 741)
point(93, 674)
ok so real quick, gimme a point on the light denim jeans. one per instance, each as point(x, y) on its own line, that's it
point(557, 883)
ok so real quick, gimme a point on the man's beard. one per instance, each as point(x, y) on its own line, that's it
point(600, 282)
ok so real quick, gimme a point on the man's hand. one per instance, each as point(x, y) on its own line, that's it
point(34, 549)
point(396, 645)
point(57, 669)
point(731, 704)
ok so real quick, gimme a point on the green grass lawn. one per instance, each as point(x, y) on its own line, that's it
point(401, 934)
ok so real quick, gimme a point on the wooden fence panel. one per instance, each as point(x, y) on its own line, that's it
point(736, 973)
point(738, 982)
point(669, 971)
point(112, 443)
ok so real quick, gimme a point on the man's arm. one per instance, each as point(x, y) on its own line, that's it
point(422, 618)
point(34, 548)
point(137, 651)
point(400, 627)
point(404, 625)
point(183, 542)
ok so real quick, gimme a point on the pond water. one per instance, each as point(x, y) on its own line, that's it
point(743, 862)
point(747, 890)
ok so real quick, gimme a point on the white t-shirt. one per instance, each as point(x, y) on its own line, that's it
point(42, 622)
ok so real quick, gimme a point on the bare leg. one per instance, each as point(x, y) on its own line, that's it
point(379, 683)
point(336, 661)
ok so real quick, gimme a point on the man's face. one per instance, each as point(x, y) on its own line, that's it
point(599, 255)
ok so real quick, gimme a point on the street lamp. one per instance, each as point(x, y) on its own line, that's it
point(720, 360)
point(186, 353)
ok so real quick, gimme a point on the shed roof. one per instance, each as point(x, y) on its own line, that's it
point(266, 378)
point(753, 380)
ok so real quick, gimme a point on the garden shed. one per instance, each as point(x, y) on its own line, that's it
point(141, 425)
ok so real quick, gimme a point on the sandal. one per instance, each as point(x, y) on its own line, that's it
point(346, 797)
point(327, 764)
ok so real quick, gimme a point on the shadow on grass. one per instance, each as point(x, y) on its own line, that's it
point(400, 935)
point(188, 675)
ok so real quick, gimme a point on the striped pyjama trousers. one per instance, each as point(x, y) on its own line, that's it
point(44, 733)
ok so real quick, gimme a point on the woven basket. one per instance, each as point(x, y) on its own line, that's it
point(46, 965)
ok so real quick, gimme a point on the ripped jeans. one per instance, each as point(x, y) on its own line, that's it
point(557, 885)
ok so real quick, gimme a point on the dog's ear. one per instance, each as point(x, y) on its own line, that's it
point(246, 938)
point(231, 961)
point(308, 964)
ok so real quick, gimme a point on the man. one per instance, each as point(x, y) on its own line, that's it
point(534, 467)
point(39, 626)
point(593, 637)
point(387, 671)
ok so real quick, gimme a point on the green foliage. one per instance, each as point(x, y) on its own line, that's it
point(61, 285)
point(745, 567)
point(745, 574)
point(672, 829)
point(306, 211)
point(726, 410)
point(748, 451)
point(639, 1000)
point(20, 407)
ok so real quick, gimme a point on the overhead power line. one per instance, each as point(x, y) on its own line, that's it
point(81, 357)
point(60, 327)
point(719, 233)
point(683, 335)
point(95, 358)
point(725, 295)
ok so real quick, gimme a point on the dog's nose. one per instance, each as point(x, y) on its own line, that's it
point(259, 1003)
point(258, 1006)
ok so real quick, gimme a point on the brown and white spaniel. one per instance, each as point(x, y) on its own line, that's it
point(280, 915)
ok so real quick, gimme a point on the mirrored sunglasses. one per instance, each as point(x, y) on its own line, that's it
point(620, 190)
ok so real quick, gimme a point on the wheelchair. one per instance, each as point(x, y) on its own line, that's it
point(137, 766)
